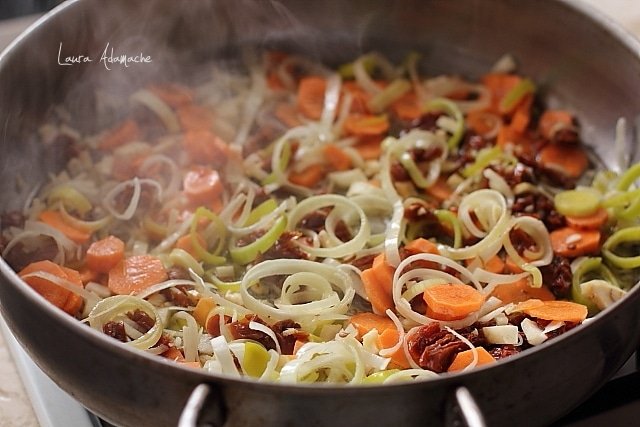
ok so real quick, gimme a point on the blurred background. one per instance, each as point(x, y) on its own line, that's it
point(15, 8)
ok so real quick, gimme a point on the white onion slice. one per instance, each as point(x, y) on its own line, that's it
point(111, 307)
point(223, 356)
point(331, 305)
point(267, 330)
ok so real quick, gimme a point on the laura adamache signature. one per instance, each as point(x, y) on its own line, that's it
point(108, 58)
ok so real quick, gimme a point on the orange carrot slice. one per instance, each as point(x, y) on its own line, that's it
point(563, 311)
point(591, 222)
point(440, 190)
point(464, 359)
point(365, 321)
point(56, 220)
point(366, 125)
point(388, 339)
point(104, 254)
point(311, 96)
point(185, 244)
point(452, 301)
point(421, 246)
point(202, 184)
point(136, 273)
point(551, 120)
point(337, 158)
point(520, 291)
point(204, 147)
point(287, 114)
point(127, 131)
point(572, 243)
point(53, 293)
point(370, 147)
point(74, 302)
point(308, 177)
point(379, 298)
point(570, 160)
point(195, 117)
point(407, 108)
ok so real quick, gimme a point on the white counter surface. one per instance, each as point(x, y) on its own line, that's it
point(15, 407)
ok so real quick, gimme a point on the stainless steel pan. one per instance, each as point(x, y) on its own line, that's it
point(581, 60)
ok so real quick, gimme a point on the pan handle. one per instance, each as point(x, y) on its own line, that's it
point(191, 415)
point(463, 410)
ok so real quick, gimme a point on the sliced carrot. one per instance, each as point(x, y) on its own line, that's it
point(499, 84)
point(202, 184)
point(572, 243)
point(512, 267)
point(136, 273)
point(104, 254)
point(407, 108)
point(173, 354)
point(388, 339)
point(202, 310)
point(308, 177)
point(366, 125)
point(569, 159)
point(195, 117)
point(452, 301)
point(337, 158)
point(311, 92)
point(359, 97)
point(185, 244)
point(204, 147)
point(591, 222)
point(563, 311)
point(440, 190)
point(173, 94)
point(56, 220)
point(482, 122)
point(287, 114)
point(369, 148)
point(88, 275)
point(126, 132)
point(379, 298)
point(529, 304)
point(383, 271)
point(495, 264)
point(365, 322)
point(506, 137)
point(551, 120)
point(53, 293)
point(421, 246)
point(464, 359)
point(522, 116)
point(74, 301)
point(521, 290)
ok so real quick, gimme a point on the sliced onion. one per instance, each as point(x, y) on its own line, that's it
point(267, 330)
point(136, 183)
point(329, 304)
point(223, 356)
point(318, 202)
point(110, 308)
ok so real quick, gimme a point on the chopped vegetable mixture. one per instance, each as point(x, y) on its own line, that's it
point(298, 224)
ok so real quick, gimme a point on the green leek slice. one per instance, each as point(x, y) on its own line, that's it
point(245, 254)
